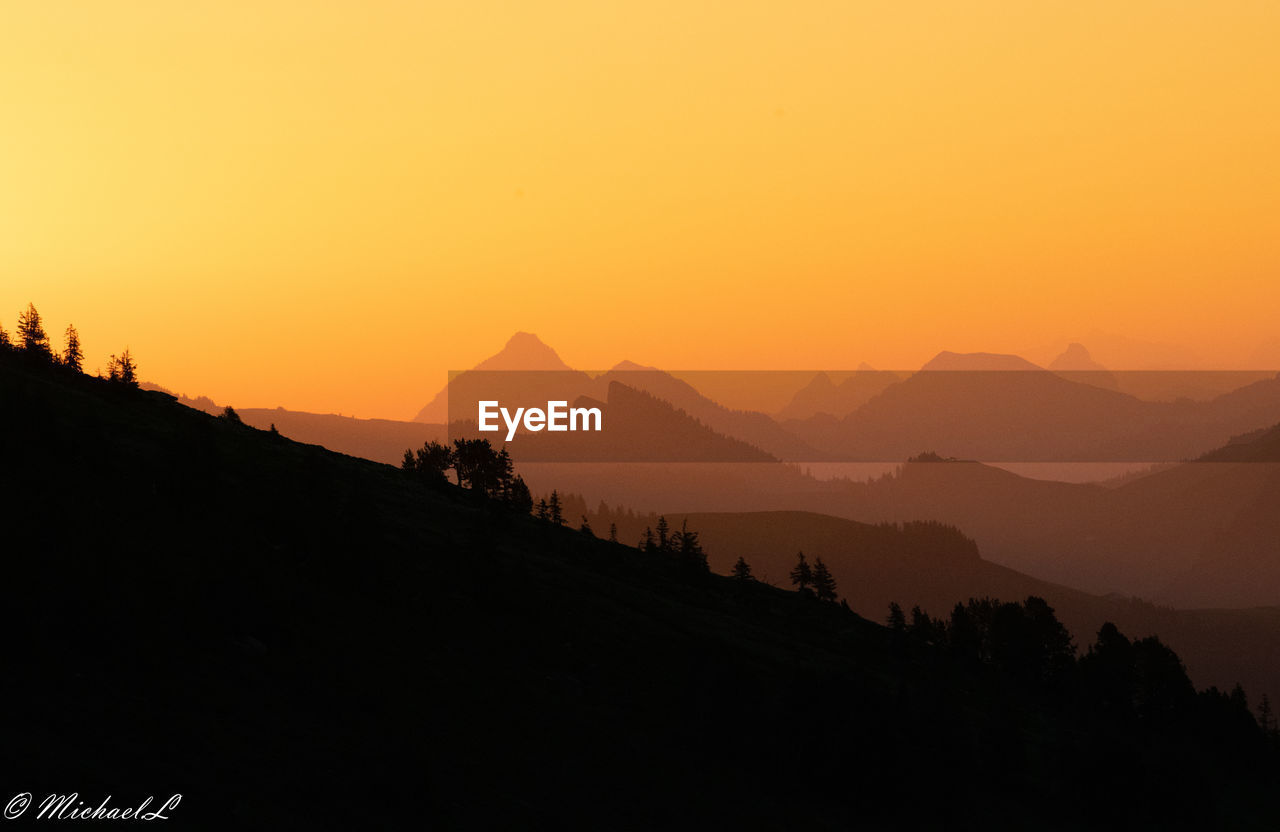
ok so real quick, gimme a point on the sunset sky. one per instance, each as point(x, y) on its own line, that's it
point(327, 205)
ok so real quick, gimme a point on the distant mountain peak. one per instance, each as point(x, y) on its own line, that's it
point(820, 383)
point(1075, 357)
point(628, 366)
point(983, 361)
point(524, 351)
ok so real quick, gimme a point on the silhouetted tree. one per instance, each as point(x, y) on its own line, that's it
point(664, 534)
point(542, 512)
point(32, 338)
point(430, 462)
point(229, 413)
point(1266, 717)
point(648, 542)
point(1161, 688)
point(73, 356)
point(476, 465)
point(801, 574)
point(897, 621)
point(555, 509)
point(742, 569)
point(613, 532)
point(519, 497)
point(1238, 697)
point(123, 370)
point(1056, 653)
point(689, 548)
point(925, 628)
point(1107, 670)
point(272, 430)
point(965, 635)
point(585, 527)
point(5, 344)
point(824, 583)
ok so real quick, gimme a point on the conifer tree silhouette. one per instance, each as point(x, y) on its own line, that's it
point(824, 584)
point(123, 369)
point(613, 532)
point(690, 549)
point(801, 574)
point(742, 569)
point(897, 621)
point(555, 509)
point(32, 338)
point(73, 356)
point(519, 497)
point(664, 534)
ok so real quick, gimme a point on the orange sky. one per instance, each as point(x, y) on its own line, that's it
point(328, 205)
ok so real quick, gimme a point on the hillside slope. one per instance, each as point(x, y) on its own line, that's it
point(291, 637)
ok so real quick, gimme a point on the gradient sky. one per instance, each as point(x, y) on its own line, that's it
point(328, 205)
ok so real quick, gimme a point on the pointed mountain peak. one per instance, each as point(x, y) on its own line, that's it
point(524, 351)
point(1075, 357)
point(627, 366)
point(983, 361)
point(820, 383)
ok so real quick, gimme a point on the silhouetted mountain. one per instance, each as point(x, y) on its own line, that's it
point(637, 427)
point(1076, 361)
point(524, 351)
point(1006, 414)
point(824, 396)
point(1143, 537)
point(747, 426)
point(292, 637)
point(982, 362)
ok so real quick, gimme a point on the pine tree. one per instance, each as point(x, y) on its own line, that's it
point(31, 335)
point(4, 340)
point(647, 541)
point(824, 584)
point(742, 569)
point(432, 460)
point(542, 513)
point(519, 497)
point(664, 535)
point(897, 620)
point(123, 369)
point(504, 471)
point(686, 543)
point(801, 575)
point(73, 356)
point(556, 515)
point(1266, 718)
point(585, 528)
point(613, 532)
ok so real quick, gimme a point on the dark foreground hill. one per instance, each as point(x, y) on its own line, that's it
point(933, 566)
point(292, 638)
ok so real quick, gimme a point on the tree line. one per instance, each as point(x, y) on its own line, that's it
point(1121, 682)
point(476, 465)
point(31, 341)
